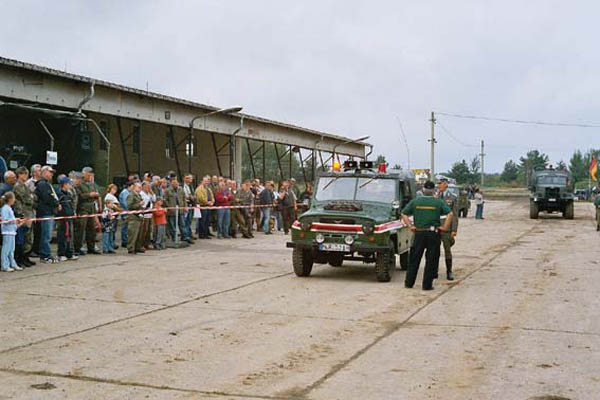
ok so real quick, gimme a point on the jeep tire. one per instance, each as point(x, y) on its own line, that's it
point(302, 260)
point(533, 210)
point(385, 264)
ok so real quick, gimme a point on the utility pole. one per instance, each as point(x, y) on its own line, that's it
point(433, 142)
point(482, 155)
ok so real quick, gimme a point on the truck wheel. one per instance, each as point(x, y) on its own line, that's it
point(404, 257)
point(385, 264)
point(303, 261)
point(533, 210)
point(569, 212)
point(336, 260)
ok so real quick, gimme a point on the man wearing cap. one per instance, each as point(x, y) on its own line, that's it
point(448, 237)
point(23, 209)
point(88, 198)
point(426, 211)
point(64, 230)
point(47, 206)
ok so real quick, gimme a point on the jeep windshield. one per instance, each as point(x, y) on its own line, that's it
point(552, 180)
point(358, 189)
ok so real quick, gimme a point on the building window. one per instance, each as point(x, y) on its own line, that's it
point(191, 147)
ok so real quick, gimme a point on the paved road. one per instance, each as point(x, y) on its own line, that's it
point(227, 319)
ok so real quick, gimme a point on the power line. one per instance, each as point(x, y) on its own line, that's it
point(454, 137)
point(519, 121)
point(405, 141)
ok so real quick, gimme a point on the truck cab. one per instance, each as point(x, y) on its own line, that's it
point(355, 216)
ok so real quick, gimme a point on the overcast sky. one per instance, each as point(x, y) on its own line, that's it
point(345, 67)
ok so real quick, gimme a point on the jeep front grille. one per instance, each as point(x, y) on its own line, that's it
point(340, 221)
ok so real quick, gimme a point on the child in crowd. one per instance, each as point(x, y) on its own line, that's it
point(64, 228)
point(160, 222)
point(107, 227)
point(9, 233)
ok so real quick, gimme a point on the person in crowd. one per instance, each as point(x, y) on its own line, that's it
point(107, 227)
point(88, 203)
point(156, 186)
point(76, 177)
point(204, 198)
point(277, 212)
point(149, 198)
point(246, 199)
point(256, 188)
point(160, 223)
point(64, 227)
point(123, 202)
point(111, 194)
point(237, 214)
point(32, 246)
point(190, 201)
point(23, 208)
point(174, 197)
point(9, 232)
point(306, 197)
point(479, 203)
point(9, 181)
point(223, 199)
point(134, 220)
point(47, 206)
point(267, 201)
point(287, 199)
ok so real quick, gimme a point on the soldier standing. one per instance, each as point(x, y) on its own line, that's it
point(237, 216)
point(134, 221)
point(426, 211)
point(23, 208)
point(247, 199)
point(448, 237)
point(88, 197)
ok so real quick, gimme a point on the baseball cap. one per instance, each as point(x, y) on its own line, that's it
point(429, 185)
point(87, 170)
point(65, 179)
point(48, 168)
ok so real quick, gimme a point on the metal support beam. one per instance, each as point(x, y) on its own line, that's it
point(279, 161)
point(214, 142)
point(264, 161)
point(172, 135)
point(302, 166)
point(291, 160)
point(251, 156)
point(123, 150)
point(48, 133)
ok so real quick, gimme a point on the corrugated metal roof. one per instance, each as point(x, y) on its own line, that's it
point(74, 77)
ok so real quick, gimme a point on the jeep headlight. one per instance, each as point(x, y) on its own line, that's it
point(368, 229)
point(320, 238)
point(349, 240)
point(306, 225)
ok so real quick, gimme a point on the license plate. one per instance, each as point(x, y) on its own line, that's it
point(334, 247)
point(551, 199)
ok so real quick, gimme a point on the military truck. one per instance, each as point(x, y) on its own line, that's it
point(551, 191)
point(463, 200)
point(355, 216)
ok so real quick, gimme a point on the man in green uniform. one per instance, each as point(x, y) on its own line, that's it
point(134, 221)
point(447, 237)
point(88, 202)
point(426, 211)
point(23, 208)
point(174, 197)
point(237, 216)
point(247, 199)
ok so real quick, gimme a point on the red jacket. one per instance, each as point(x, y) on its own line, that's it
point(223, 198)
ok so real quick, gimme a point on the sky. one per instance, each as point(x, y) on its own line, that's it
point(347, 67)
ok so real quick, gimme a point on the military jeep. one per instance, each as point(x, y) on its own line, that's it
point(551, 191)
point(354, 216)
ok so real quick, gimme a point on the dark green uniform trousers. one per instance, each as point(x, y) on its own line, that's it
point(423, 241)
point(84, 225)
point(134, 225)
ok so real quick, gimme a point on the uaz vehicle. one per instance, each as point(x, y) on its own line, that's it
point(354, 215)
point(551, 191)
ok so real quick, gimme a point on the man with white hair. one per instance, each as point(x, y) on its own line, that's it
point(9, 182)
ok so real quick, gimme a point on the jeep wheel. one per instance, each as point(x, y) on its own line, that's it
point(404, 258)
point(336, 260)
point(303, 261)
point(533, 210)
point(569, 212)
point(385, 264)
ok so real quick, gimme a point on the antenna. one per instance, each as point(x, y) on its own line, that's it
point(405, 142)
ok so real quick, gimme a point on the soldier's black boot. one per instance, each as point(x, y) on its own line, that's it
point(449, 274)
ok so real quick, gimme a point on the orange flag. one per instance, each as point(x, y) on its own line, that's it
point(593, 168)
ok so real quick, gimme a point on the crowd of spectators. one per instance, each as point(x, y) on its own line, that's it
point(154, 212)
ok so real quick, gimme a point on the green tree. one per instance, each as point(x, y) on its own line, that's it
point(397, 166)
point(530, 162)
point(380, 160)
point(561, 165)
point(461, 172)
point(510, 172)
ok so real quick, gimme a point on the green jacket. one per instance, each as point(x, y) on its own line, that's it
point(133, 202)
point(85, 203)
point(427, 211)
point(173, 198)
point(24, 201)
point(452, 202)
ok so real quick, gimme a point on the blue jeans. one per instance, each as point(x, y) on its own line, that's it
point(189, 216)
point(266, 218)
point(64, 235)
point(8, 252)
point(479, 211)
point(223, 221)
point(107, 242)
point(171, 227)
point(124, 231)
point(46, 237)
point(204, 223)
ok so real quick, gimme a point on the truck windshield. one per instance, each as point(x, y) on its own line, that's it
point(361, 189)
point(552, 180)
